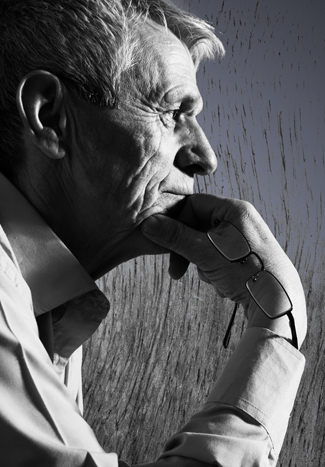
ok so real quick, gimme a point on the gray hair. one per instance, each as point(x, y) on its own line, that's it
point(91, 43)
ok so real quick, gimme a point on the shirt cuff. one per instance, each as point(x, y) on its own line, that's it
point(262, 378)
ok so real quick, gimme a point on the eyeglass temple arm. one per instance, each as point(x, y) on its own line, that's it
point(293, 330)
point(228, 332)
point(231, 322)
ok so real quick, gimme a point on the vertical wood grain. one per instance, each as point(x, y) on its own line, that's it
point(152, 363)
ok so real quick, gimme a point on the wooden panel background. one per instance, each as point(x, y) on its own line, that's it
point(152, 363)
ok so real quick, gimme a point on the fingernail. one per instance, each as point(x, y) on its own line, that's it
point(151, 225)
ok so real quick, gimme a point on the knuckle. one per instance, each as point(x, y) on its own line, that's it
point(174, 236)
point(247, 209)
point(246, 212)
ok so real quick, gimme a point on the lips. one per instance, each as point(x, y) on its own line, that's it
point(180, 186)
point(179, 193)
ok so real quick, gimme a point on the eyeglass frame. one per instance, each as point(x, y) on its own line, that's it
point(242, 260)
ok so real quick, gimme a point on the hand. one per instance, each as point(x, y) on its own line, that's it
point(187, 240)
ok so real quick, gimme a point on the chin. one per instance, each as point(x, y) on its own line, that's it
point(169, 204)
point(176, 207)
point(135, 243)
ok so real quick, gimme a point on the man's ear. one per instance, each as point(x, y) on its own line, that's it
point(40, 101)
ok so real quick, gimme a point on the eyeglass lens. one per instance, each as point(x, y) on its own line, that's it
point(269, 294)
point(263, 287)
point(229, 241)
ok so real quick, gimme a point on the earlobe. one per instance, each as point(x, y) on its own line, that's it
point(40, 101)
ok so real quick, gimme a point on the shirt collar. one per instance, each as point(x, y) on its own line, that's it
point(51, 271)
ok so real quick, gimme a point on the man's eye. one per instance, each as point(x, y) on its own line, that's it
point(170, 117)
point(172, 114)
point(175, 114)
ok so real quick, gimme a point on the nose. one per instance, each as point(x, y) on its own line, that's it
point(196, 156)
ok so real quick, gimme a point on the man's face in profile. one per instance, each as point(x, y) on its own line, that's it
point(144, 154)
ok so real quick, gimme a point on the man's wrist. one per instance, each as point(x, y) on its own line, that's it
point(280, 326)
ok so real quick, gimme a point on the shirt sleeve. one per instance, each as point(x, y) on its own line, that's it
point(243, 422)
point(245, 418)
point(40, 423)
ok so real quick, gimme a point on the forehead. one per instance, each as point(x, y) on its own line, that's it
point(168, 68)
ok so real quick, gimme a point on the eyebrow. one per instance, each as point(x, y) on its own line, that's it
point(186, 98)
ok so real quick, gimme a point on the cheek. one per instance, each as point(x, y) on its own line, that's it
point(148, 164)
point(126, 167)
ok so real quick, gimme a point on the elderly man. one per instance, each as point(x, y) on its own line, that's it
point(99, 147)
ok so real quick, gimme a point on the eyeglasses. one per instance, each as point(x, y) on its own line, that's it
point(264, 288)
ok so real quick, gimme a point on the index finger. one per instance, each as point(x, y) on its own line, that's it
point(199, 213)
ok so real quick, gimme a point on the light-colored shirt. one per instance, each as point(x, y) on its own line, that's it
point(243, 422)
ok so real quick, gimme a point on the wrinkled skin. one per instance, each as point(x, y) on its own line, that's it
point(148, 149)
point(125, 164)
